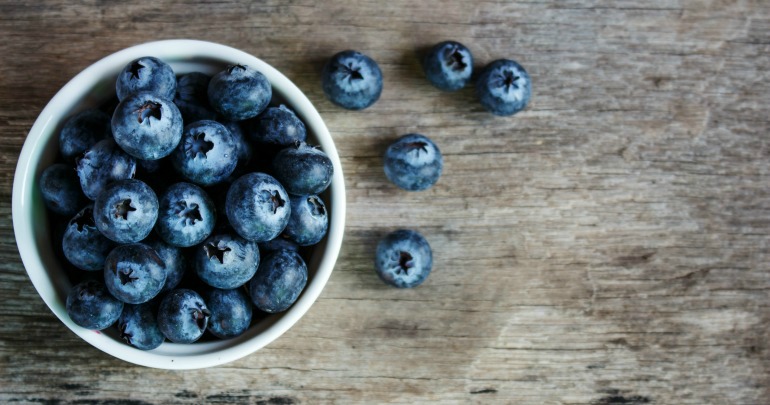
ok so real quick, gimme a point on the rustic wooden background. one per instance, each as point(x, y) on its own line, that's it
point(609, 245)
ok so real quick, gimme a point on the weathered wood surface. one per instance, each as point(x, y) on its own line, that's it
point(607, 246)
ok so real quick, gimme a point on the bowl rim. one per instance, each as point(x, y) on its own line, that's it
point(24, 205)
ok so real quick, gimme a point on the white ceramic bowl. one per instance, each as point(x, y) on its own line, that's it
point(90, 88)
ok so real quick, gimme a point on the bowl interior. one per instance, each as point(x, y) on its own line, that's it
point(96, 85)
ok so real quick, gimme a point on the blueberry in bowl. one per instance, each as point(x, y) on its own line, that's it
point(103, 163)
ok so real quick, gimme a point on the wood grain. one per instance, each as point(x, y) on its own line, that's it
point(609, 245)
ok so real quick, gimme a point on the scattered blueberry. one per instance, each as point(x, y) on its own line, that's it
point(239, 92)
point(278, 126)
point(448, 65)
point(192, 97)
point(403, 259)
point(230, 312)
point(83, 245)
point(82, 131)
point(504, 87)
point(257, 207)
point(126, 211)
point(303, 169)
point(91, 306)
point(134, 273)
point(183, 316)
point(147, 126)
point(280, 279)
point(308, 221)
point(146, 74)
point(186, 215)
point(60, 188)
point(226, 261)
point(101, 164)
point(413, 162)
point(207, 154)
point(138, 326)
point(352, 80)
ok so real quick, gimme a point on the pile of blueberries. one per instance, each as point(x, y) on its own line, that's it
point(184, 204)
point(208, 173)
point(413, 162)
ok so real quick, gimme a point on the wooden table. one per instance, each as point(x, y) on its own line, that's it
point(609, 245)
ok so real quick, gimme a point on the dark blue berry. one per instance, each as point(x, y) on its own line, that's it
point(280, 279)
point(504, 87)
point(126, 211)
point(230, 312)
point(146, 74)
point(257, 207)
point(448, 65)
point(60, 188)
point(352, 80)
point(174, 259)
point(239, 92)
point(192, 97)
point(91, 306)
point(226, 261)
point(83, 245)
point(207, 153)
point(134, 273)
point(186, 215)
point(303, 169)
point(403, 259)
point(101, 164)
point(81, 131)
point(413, 162)
point(278, 126)
point(147, 126)
point(183, 316)
point(308, 221)
point(138, 326)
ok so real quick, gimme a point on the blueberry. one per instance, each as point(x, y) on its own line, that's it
point(126, 211)
point(147, 126)
point(257, 207)
point(226, 261)
point(280, 243)
point(83, 245)
point(82, 131)
point(448, 65)
point(280, 279)
point(308, 221)
point(60, 188)
point(239, 92)
point(146, 74)
point(352, 80)
point(413, 162)
point(186, 215)
point(138, 326)
point(91, 306)
point(174, 259)
point(403, 259)
point(303, 169)
point(243, 146)
point(134, 273)
point(101, 164)
point(183, 316)
point(192, 98)
point(278, 126)
point(504, 87)
point(207, 154)
point(230, 312)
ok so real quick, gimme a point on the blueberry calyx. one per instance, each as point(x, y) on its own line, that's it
point(456, 59)
point(201, 316)
point(417, 146)
point(123, 208)
point(135, 68)
point(404, 262)
point(275, 199)
point(213, 250)
point(190, 214)
point(507, 80)
point(84, 219)
point(126, 336)
point(317, 206)
point(147, 110)
point(353, 73)
point(126, 277)
point(231, 68)
point(198, 145)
